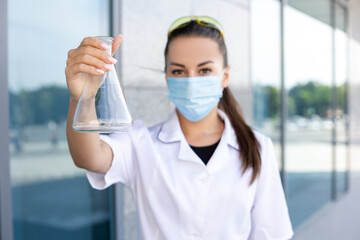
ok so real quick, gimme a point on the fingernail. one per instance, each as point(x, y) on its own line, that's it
point(104, 45)
point(112, 60)
point(107, 66)
point(100, 71)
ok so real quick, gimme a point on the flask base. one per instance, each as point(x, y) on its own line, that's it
point(102, 127)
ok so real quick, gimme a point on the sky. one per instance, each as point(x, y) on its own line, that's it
point(40, 33)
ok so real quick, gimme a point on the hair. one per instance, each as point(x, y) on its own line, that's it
point(248, 144)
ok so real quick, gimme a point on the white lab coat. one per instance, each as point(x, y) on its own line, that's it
point(179, 197)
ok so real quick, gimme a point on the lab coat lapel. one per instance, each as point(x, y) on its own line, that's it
point(221, 157)
point(171, 133)
point(229, 133)
point(187, 154)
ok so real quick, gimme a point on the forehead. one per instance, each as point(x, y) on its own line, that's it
point(193, 50)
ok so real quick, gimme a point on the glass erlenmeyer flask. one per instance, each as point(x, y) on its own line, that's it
point(102, 106)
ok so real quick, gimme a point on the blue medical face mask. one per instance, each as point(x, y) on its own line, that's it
point(195, 97)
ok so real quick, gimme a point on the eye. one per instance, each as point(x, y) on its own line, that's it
point(177, 72)
point(205, 71)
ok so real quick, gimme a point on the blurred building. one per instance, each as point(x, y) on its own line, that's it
point(294, 70)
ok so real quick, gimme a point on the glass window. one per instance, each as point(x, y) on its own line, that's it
point(266, 69)
point(52, 198)
point(310, 117)
point(308, 82)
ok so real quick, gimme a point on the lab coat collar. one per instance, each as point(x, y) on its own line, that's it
point(171, 132)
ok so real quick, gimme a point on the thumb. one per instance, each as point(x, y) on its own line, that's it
point(116, 43)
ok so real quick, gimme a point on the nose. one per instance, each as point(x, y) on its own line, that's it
point(192, 73)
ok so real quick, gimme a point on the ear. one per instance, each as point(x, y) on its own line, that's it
point(225, 78)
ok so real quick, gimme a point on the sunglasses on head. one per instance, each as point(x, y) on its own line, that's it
point(201, 20)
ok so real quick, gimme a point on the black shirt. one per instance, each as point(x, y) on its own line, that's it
point(205, 152)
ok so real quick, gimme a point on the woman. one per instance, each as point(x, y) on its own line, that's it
point(201, 174)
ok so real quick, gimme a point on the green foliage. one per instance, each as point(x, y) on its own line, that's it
point(310, 98)
point(305, 99)
point(341, 97)
point(273, 100)
point(266, 103)
point(39, 106)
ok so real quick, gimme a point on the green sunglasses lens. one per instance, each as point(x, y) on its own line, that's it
point(179, 22)
point(202, 20)
point(212, 22)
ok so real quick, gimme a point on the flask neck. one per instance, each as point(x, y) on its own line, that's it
point(109, 51)
point(107, 40)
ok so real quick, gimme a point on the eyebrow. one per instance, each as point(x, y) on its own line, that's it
point(199, 65)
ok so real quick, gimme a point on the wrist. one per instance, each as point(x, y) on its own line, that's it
point(73, 100)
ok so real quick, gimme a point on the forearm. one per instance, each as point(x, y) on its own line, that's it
point(86, 149)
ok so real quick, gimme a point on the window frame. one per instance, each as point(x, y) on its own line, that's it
point(6, 223)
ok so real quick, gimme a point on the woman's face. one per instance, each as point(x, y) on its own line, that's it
point(195, 56)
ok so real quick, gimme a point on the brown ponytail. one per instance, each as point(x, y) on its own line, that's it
point(249, 146)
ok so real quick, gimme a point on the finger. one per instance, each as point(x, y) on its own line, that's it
point(73, 70)
point(96, 53)
point(116, 43)
point(94, 42)
point(89, 60)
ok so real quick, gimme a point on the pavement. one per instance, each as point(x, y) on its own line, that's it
point(337, 220)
